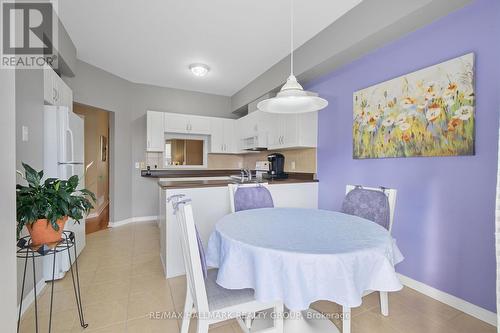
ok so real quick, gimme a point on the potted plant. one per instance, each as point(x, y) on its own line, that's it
point(44, 207)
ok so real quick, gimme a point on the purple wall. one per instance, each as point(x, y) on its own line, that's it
point(445, 211)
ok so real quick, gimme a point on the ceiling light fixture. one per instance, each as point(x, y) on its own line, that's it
point(199, 69)
point(292, 98)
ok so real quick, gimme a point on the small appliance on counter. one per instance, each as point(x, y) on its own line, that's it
point(261, 169)
point(276, 166)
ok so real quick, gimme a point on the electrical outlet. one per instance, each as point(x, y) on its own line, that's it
point(293, 165)
point(143, 165)
point(137, 165)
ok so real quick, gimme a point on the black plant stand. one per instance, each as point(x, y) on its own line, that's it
point(27, 250)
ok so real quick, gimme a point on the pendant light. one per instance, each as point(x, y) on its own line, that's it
point(292, 98)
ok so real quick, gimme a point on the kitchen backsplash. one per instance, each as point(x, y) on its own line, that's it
point(305, 160)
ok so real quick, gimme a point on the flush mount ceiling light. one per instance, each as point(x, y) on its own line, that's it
point(292, 98)
point(199, 69)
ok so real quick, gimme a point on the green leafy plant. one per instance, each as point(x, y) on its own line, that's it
point(51, 199)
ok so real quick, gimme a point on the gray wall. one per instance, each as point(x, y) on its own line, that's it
point(132, 195)
point(29, 112)
point(7, 202)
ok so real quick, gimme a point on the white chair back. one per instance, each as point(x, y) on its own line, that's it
point(232, 190)
point(389, 192)
point(194, 273)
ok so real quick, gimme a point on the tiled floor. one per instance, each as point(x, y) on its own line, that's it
point(122, 282)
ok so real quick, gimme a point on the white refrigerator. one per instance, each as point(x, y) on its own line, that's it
point(63, 158)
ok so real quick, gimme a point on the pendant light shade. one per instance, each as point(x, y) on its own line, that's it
point(292, 98)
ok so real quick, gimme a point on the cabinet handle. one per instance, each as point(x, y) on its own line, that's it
point(148, 144)
point(54, 94)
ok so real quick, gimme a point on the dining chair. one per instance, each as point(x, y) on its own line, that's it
point(376, 204)
point(204, 296)
point(249, 196)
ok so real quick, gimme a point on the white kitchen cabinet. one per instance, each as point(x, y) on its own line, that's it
point(155, 132)
point(199, 125)
point(288, 131)
point(187, 124)
point(210, 204)
point(222, 133)
point(55, 90)
point(252, 130)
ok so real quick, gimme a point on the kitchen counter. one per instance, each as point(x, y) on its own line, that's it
point(169, 184)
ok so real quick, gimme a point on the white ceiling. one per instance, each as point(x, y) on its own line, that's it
point(154, 41)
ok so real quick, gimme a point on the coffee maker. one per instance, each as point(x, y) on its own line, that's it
point(276, 166)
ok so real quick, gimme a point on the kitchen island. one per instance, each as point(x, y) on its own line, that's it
point(210, 202)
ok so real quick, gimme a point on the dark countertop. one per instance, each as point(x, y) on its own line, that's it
point(222, 183)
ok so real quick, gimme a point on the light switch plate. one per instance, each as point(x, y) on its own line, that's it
point(293, 165)
point(25, 133)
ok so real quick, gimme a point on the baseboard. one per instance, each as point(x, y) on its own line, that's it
point(30, 297)
point(132, 220)
point(453, 301)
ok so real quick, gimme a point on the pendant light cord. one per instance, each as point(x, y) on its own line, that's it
point(291, 37)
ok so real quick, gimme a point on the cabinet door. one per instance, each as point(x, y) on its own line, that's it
point(290, 129)
point(230, 144)
point(48, 84)
point(155, 131)
point(275, 128)
point(199, 125)
point(176, 123)
point(217, 135)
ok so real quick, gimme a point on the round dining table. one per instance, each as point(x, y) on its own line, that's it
point(300, 256)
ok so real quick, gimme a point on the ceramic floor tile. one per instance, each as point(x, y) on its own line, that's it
point(142, 304)
point(368, 322)
point(147, 325)
point(104, 314)
point(464, 323)
point(423, 304)
point(62, 321)
point(122, 281)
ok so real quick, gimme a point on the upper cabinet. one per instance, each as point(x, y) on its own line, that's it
point(293, 131)
point(258, 130)
point(223, 139)
point(179, 123)
point(253, 130)
point(55, 90)
point(155, 131)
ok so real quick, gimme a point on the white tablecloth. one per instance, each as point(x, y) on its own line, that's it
point(303, 255)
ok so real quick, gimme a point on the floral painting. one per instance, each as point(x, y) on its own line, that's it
point(425, 113)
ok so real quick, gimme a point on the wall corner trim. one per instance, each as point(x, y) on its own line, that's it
point(453, 301)
point(132, 220)
point(30, 297)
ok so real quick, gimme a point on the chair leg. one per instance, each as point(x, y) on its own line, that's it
point(202, 326)
point(346, 319)
point(248, 320)
point(188, 311)
point(384, 303)
point(278, 318)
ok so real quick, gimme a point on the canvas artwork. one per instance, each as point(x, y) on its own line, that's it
point(429, 112)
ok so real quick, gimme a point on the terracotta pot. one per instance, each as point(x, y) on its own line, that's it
point(42, 232)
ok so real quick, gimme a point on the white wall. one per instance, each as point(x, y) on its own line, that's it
point(29, 113)
point(8, 303)
point(130, 194)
